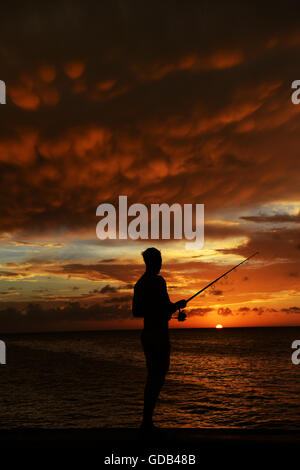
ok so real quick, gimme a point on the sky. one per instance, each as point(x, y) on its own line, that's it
point(186, 102)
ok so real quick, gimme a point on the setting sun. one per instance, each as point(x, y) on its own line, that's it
point(219, 326)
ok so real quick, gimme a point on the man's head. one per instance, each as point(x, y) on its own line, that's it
point(152, 258)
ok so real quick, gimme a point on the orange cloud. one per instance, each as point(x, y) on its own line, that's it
point(24, 98)
point(74, 69)
point(47, 73)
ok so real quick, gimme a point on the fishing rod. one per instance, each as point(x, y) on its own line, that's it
point(182, 314)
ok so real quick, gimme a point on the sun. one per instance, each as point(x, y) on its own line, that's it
point(219, 326)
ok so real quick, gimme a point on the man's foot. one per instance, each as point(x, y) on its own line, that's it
point(148, 426)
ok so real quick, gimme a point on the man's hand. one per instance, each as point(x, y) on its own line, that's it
point(181, 304)
point(181, 315)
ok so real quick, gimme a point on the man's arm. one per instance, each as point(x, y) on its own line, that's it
point(136, 307)
point(167, 305)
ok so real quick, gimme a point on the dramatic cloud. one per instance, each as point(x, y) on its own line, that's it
point(140, 121)
point(217, 292)
point(107, 289)
point(275, 218)
point(37, 317)
point(291, 310)
point(199, 311)
point(224, 311)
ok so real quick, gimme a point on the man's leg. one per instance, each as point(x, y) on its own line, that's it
point(158, 366)
point(153, 387)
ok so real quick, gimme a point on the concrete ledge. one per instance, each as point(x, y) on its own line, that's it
point(165, 437)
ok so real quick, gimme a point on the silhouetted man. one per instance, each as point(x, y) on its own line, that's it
point(151, 301)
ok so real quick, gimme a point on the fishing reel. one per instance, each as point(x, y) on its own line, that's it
point(181, 315)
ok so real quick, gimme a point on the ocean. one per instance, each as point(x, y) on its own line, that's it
point(229, 378)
